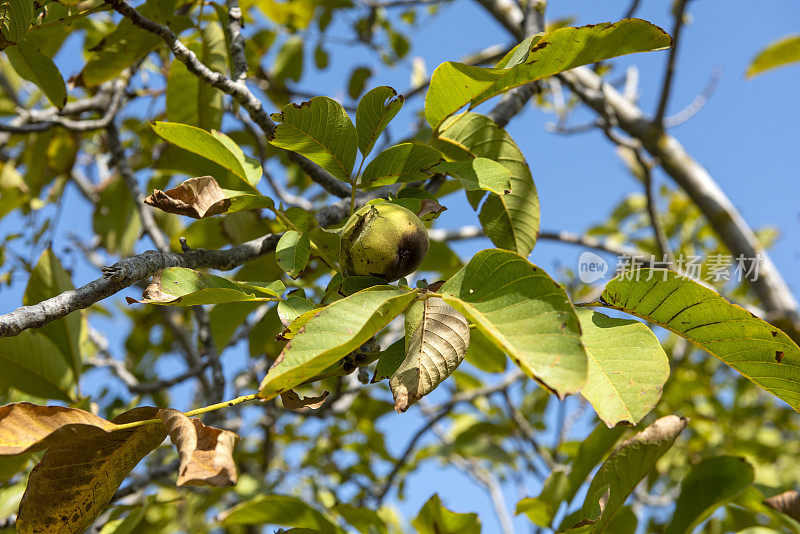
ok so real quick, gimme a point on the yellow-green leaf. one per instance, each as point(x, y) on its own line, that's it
point(374, 112)
point(778, 54)
point(39, 69)
point(759, 351)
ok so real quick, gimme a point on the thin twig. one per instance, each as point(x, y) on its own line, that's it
point(669, 73)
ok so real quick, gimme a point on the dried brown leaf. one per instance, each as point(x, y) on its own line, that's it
point(75, 480)
point(437, 337)
point(206, 452)
point(787, 502)
point(293, 401)
point(430, 209)
point(26, 427)
point(196, 197)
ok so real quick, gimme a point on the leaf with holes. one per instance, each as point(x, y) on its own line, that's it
point(406, 162)
point(321, 131)
point(759, 351)
point(511, 220)
point(293, 252)
point(331, 334)
point(525, 313)
point(375, 111)
point(437, 337)
point(75, 480)
point(178, 286)
point(454, 85)
point(627, 367)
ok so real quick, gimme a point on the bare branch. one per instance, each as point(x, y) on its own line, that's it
point(697, 104)
point(238, 59)
point(669, 73)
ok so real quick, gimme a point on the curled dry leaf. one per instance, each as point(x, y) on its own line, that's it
point(78, 476)
point(206, 452)
point(196, 197)
point(787, 502)
point(437, 337)
point(26, 427)
point(430, 209)
point(293, 401)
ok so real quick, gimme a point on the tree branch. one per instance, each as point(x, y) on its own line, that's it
point(669, 73)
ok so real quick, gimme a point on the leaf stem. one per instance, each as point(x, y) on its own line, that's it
point(354, 186)
point(198, 411)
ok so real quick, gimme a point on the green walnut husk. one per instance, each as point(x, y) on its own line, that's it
point(383, 240)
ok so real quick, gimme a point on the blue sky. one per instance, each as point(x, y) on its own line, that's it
point(746, 136)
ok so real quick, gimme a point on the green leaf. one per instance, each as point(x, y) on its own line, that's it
point(592, 449)
point(127, 44)
point(627, 367)
point(478, 174)
point(553, 52)
point(213, 146)
point(178, 286)
point(542, 509)
point(321, 131)
point(706, 487)
point(15, 19)
point(47, 280)
point(32, 363)
point(623, 471)
point(375, 111)
point(389, 360)
point(406, 162)
point(115, 218)
point(363, 519)
point(525, 313)
point(289, 61)
point(437, 337)
point(191, 100)
point(511, 221)
point(39, 69)
point(778, 54)
point(434, 518)
point(761, 352)
point(336, 330)
point(483, 354)
point(281, 510)
point(358, 80)
point(293, 307)
point(293, 252)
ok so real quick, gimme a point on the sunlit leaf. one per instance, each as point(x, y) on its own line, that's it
point(321, 131)
point(178, 286)
point(759, 351)
point(782, 52)
point(214, 146)
point(706, 487)
point(454, 84)
point(374, 112)
point(406, 162)
point(75, 480)
point(332, 333)
point(525, 314)
point(478, 174)
point(437, 337)
point(511, 220)
point(627, 367)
